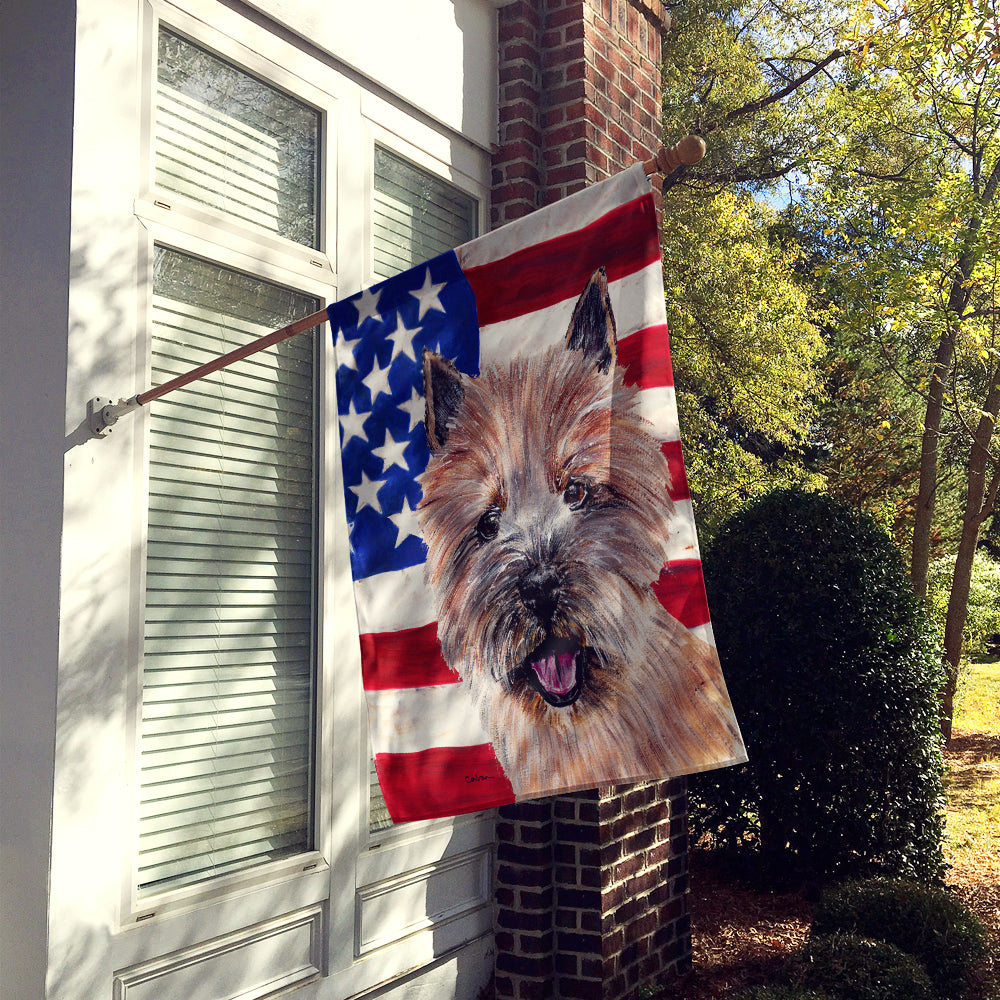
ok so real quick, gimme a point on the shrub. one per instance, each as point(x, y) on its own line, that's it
point(782, 993)
point(856, 968)
point(925, 922)
point(833, 673)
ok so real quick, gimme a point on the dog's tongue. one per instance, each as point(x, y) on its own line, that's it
point(556, 671)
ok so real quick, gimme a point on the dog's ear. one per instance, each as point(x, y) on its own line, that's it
point(592, 328)
point(443, 394)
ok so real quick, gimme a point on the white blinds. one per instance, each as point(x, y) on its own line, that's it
point(225, 139)
point(227, 682)
point(415, 216)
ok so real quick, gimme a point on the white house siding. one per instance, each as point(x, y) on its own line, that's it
point(411, 914)
point(36, 111)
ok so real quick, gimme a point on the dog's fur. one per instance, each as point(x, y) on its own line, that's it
point(545, 513)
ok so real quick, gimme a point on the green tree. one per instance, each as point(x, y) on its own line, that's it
point(748, 76)
point(747, 352)
point(747, 356)
point(880, 123)
point(913, 192)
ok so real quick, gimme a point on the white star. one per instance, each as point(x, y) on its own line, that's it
point(377, 380)
point(345, 354)
point(427, 295)
point(402, 341)
point(351, 422)
point(414, 408)
point(406, 522)
point(367, 306)
point(391, 452)
point(367, 493)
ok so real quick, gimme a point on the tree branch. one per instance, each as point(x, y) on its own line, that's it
point(753, 107)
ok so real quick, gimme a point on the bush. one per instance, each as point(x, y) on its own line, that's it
point(782, 993)
point(833, 673)
point(927, 923)
point(856, 968)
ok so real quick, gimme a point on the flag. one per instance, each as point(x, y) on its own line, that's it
point(508, 292)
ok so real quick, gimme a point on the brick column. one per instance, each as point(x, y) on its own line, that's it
point(579, 96)
point(591, 888)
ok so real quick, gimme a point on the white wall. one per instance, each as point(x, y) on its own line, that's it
point(417, 51)
point(72, 293)
point(36, 109)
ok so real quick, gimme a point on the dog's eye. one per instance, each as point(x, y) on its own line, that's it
point(489, 524)
point(576, 493)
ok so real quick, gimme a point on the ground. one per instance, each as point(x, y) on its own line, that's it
point(742, 935)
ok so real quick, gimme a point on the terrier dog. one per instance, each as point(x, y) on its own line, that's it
point(546, 514)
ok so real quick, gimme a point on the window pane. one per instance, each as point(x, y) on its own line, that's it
point(416, 216)
point(228, 679)
point(226, 139)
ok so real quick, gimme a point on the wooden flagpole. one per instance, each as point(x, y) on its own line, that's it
point(102, 414)
point(260, 344)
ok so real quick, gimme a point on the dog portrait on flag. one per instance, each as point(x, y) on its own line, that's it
point(529, 595)
point(546, 514)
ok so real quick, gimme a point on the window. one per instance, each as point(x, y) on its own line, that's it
point(228, 140)
point(252, 802)
point(229, 646)
point(415, 216)
point(210, 830)
point(228, 681)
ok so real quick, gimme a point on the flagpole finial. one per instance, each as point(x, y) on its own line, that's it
point(688, 151)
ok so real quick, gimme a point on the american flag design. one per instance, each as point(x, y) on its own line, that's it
point(511, 291)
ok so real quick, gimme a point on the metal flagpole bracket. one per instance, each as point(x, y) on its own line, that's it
point(103, 413)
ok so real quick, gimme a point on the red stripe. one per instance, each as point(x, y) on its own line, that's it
point(442, 781)
point(679, 489)
point(681, 590)
point(408, 658)
point(645, 356)
point(623, 240)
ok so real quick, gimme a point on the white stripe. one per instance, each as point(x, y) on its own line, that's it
point(395, 600)
point(705, 633)
point(565, 216)
point(636, 300)
point(412, 719)
point(682, 542)
point(659, 407)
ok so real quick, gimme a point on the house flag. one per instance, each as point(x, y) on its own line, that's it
point(528, 587)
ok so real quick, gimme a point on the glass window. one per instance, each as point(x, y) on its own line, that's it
point(228, 684)
point(228, 140)
point(416, 216)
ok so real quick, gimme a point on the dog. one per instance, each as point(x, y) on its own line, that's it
point(546, 514)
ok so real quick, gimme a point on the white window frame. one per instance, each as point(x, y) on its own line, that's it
point(180, 224)
point(350, 874)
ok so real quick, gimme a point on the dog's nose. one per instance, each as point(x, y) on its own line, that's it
point(540, 590)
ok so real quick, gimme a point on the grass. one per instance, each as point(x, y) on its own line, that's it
point(972, 848)
point(973, 783)
point(977, 707)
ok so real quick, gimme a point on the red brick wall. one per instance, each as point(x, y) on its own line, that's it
point(591, 889)
point(591, 893)
point(579, 96)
